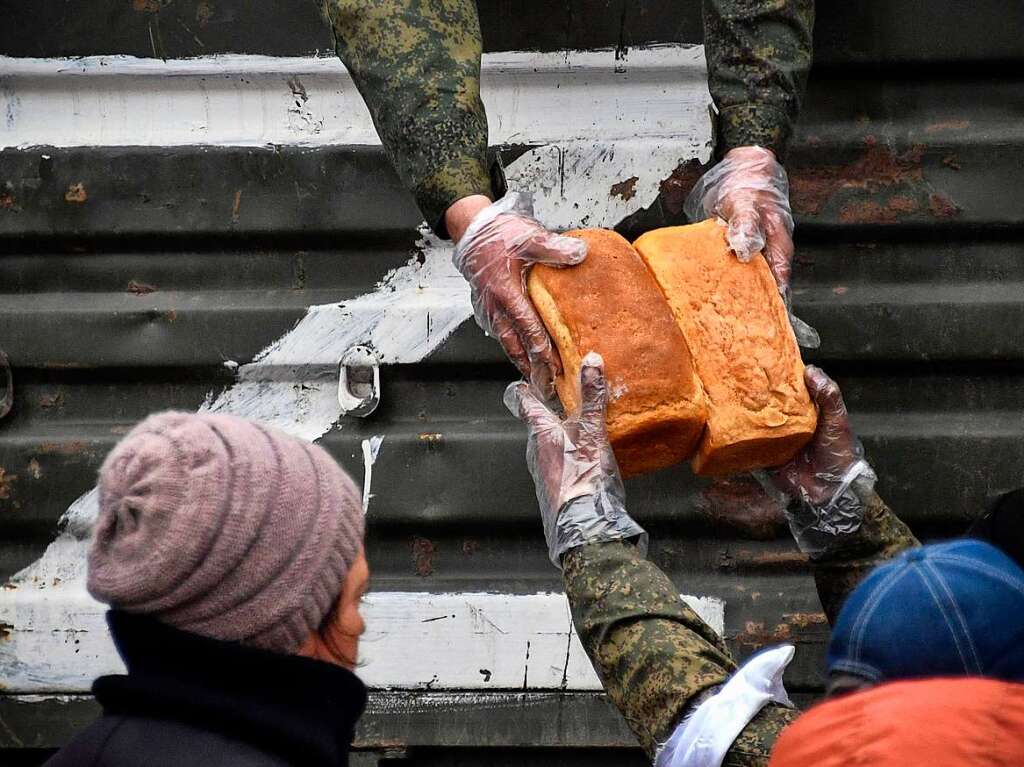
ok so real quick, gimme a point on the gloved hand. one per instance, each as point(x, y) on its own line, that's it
point(493, 254)
point(749, 189)
point(830, 477)
point(579, 488)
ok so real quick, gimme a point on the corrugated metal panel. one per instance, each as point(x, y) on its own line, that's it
point(132, 274)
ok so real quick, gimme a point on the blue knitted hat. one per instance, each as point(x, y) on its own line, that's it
point(949, 609)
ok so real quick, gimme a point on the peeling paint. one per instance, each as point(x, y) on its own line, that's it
point(625, 189)
point(371, 448)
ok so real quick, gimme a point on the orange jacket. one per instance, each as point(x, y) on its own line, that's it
point(928, 722)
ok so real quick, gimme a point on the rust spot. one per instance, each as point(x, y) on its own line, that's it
point(204, 12)
point(170, 315)
point(876, 169)
point(6, 202)
point(5, 631)
point(76, 193)
point(805, 620)
point(677, 186)
point(806, 627)
point(756, 635)
point(34, 469)
point(74, 447)
point(951, 161)
point(942, 207)
point(49, 401)
point(625, 189)
point(948, 125)
point(66, 365)
point(423, 556)
point(137, 288)
point(840, 290)
point(741, 504)
point(866, 212)
point(880, 186)
point(146, 6)
point(6, 484)
point(903, 204)
point(236, 207)
point(763, 562)
point(470, 546)
point(432, 440)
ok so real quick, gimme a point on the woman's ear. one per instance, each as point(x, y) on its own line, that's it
point(337, 639)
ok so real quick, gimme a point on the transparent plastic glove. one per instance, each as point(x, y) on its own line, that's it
point(494, 254)
point(830, 477)
point(579, 488)
point(749, 189)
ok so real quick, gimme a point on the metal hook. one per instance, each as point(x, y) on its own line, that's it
point(359, 381)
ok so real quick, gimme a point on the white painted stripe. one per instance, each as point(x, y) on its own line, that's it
point(59, 638)
point(458, 641)
point(240, 100)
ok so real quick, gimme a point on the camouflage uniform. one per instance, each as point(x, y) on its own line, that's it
point(417, 65)
point(657, 659)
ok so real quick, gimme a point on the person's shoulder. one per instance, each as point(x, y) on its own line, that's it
point(127, 741)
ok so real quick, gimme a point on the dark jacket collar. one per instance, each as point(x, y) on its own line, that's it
point(301, 709)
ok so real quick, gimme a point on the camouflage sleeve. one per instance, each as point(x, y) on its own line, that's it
point(759, 54)
point(416, 63)
point(881, 536)
point(655, 657)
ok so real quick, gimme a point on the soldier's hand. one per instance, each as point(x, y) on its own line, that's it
point(493, 254)
point(829, 476)
point(749, 189)
point(578, 485)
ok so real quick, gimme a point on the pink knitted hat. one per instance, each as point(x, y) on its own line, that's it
point(225, 528)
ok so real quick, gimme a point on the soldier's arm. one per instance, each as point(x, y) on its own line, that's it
point(759, 55)
point(654, 655)
point(881, 536)
point(416, 63)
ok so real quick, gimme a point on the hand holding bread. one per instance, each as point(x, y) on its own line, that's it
point(579, 489)
point(700, 356)
point(829, 477)
point(499, 243)
point(749, 190)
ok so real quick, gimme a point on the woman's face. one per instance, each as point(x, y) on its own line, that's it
point(337, 641)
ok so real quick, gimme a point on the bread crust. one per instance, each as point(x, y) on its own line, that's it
point(738, 331)
point(611, 304)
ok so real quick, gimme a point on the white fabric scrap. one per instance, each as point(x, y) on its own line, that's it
point(704, 738)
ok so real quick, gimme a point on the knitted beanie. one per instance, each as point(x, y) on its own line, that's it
point(221, 527)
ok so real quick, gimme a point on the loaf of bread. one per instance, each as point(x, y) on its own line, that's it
point(738, 333)
point(611, 304)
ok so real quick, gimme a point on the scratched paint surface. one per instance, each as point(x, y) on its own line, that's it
point(456, 641)
point(57, 639)
point(242, 100)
